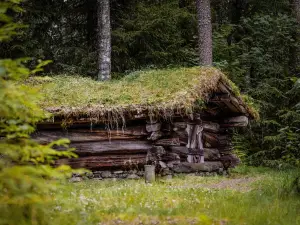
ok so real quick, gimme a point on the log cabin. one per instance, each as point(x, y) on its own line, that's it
point(179, 120)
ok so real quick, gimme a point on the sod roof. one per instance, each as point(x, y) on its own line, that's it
point(154, 91)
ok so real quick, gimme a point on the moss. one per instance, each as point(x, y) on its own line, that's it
point(153, 90)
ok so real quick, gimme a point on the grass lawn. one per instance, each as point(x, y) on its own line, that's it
point(249, 196)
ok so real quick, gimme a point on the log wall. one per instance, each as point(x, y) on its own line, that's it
point(171, 146)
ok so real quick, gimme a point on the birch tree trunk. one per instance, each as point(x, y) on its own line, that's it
point(204, 32)
point(104, 40)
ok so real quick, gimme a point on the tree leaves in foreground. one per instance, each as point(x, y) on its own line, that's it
point(27, 175)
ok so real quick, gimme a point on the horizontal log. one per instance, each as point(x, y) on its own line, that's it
point(207, 126)
point(179, 125)
point(209, 153)
point(85, 135)
point(182, 134)
point(168, 142)
point(104, 162)
point(211, 127)
point(112, 147)
point(170, 156)
point(238, 121)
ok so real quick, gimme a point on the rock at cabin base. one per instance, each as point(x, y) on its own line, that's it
point(197, 167)
point(172, 163)
point(140, 173)
point(166, 172)
point(106, 174)
point(168, 177)
point(75, 179)
point(162, 164)
point(97, 175)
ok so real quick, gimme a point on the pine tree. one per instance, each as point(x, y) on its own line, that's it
point(104, 40)
point(204, 32)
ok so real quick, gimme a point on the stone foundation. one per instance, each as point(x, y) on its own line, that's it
point(165, 171)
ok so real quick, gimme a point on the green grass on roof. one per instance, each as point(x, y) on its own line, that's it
point(156, 89)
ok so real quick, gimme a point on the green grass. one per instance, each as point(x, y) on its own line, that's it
point(262, 199)
point(167, 89)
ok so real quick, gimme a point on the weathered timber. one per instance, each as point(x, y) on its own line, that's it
point(155, 135)
point(197, 167)
point(211, 127)
point(189, 130)
point(211, 139)
point(235, 101)
point(182, 134)
point(88, 135)
point(207, 126)
point(210, 154)
point(104, 162)
point(213, 111)
point(153, 127)
point(228, 102)
point(238, 121)
point(225, 99)
point(237, 104)
point(170, 156)
point(149, 173)
point(200, 143)
point(179, 125)
point(168, 142)
point(113, 147)
point(224, 88)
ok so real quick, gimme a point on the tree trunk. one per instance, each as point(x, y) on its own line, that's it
point(204, 32)
point(297, 15)
point(295, 55)
point(104, 40)
point(296, 6)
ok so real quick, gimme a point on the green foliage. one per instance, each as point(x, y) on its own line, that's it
point(257, 54)
point(9, 28)
point(154, 35)
point(26, 172)
point(145, 34)
point(254, 43)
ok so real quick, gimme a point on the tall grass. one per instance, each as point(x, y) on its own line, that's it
point(183, 200)
point(251, 196)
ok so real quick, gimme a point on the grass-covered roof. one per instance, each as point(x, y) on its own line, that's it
point(153, 90)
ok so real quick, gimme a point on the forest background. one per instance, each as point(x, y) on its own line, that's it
point(255, 43)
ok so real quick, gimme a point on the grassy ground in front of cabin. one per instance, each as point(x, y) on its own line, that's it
point(249, 196)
